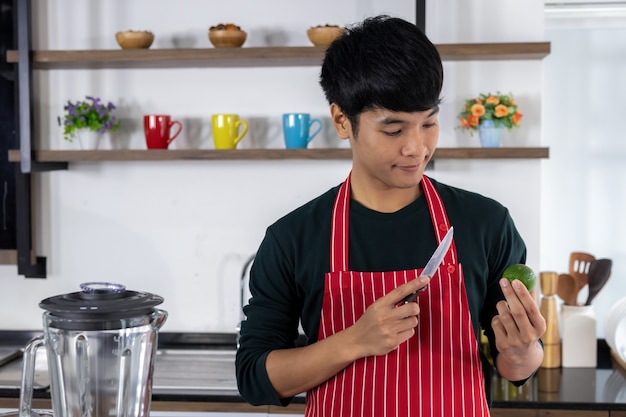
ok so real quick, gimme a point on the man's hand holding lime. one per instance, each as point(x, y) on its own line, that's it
point(518, 325)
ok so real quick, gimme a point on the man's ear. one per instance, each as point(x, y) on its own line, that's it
point(340, 122)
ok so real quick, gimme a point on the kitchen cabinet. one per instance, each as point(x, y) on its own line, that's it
point(502, 412)
point(499, 412)
point(584, 392)
point(165, 409)
point(204, 414)
point(505, 412)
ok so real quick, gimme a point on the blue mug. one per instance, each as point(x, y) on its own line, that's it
point(297, 129)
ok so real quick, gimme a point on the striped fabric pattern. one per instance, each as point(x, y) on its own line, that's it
point(435, 373)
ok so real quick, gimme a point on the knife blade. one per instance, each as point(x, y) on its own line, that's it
point(433, 263)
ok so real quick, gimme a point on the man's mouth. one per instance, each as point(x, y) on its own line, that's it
point(408, 168)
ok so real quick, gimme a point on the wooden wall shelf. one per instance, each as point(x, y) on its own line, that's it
point(264, 154)
point(253, 56)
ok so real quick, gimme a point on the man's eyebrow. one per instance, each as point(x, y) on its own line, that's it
point(390, 120)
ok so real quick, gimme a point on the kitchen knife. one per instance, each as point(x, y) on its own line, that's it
point(433, 263)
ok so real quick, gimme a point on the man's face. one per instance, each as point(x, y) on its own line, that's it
point(391, 149)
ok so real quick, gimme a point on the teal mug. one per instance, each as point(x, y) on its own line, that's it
point(297, 129)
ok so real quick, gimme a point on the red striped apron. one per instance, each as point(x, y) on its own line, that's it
point(437, 372)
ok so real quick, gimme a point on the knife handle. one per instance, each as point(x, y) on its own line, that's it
point(413, 296)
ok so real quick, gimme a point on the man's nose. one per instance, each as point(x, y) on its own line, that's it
point(415, 143)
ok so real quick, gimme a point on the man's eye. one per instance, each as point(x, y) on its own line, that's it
point(429, 125)
point(394, 133)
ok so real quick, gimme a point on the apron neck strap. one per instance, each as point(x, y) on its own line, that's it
point(339, 229)
point(339, 232)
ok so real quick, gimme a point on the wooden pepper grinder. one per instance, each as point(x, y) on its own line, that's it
point(551, 338)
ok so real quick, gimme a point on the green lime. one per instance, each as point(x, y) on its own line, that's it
point(522, 273)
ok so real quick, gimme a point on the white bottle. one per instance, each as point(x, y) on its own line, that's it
point(579, 346)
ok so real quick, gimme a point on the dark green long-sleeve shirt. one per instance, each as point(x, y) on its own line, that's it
point(287, 277)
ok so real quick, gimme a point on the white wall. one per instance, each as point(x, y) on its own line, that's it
point(183, 229)
point(583, 192)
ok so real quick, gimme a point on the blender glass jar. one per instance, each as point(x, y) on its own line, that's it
point(100, 343)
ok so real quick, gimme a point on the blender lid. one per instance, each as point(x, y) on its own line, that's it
point(101, 301)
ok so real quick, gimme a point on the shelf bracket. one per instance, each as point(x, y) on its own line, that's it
point(28, 265)
point(48, 166)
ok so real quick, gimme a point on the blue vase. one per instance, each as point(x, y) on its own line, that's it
point(489, 134)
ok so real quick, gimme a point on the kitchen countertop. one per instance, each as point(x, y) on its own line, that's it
point(198, 367)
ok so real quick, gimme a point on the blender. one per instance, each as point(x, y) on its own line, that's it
point(101, 344)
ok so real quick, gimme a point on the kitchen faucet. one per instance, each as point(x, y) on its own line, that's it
point(242, 293)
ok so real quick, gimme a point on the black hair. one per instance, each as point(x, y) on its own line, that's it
point(383, 62)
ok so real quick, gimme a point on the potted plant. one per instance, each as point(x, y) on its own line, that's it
point(490, 114)
point(88, 117)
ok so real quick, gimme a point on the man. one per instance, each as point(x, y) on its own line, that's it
point(342, 263)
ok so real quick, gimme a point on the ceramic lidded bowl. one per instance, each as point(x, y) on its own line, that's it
point(324, 35)
point(132, 39)
point(227, 35)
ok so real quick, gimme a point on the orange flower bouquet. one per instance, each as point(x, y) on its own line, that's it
point(499, 108)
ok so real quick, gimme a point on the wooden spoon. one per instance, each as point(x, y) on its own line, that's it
point(599, 273)
point(567, 289)
point(579, 267)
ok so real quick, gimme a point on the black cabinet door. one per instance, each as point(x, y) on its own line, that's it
point(7, 128)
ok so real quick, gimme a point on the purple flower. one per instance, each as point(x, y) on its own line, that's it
point(89, 114)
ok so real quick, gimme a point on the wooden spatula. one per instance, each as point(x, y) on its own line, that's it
point(579, 263)
point(567, 289)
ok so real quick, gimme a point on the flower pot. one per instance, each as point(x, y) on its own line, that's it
point(490, 135)
point(88, 140)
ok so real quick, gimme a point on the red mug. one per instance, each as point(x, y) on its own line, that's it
point(157, 129)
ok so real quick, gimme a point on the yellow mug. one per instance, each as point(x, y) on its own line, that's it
point(226, 134)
